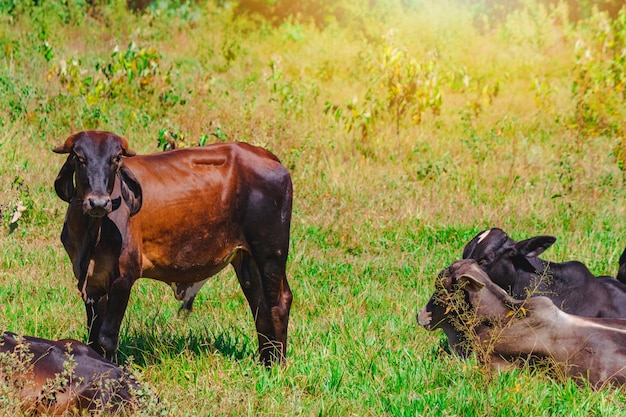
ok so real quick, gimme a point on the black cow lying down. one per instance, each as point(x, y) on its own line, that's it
point(502, 330)
point(516, 267)
point(61, 377)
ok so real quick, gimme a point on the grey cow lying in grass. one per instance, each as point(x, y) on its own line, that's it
point(479, 316)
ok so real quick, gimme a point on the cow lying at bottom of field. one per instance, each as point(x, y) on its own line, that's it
point(61, 377)
point(477, 315)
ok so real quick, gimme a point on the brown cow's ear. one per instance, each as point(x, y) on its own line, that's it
point(131, 190)
point(60, 149)
point(470, 282)
point(64, 183)
point(68, 144)
point(125, 150)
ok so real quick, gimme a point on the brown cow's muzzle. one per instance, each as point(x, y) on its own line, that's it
point(425, 318)
point(97, 206)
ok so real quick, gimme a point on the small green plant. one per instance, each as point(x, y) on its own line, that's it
point(479, 92)
point(411, 87)
point(357, 117)
point(169, 138)
point(285, 93)
point(399, 86)
point(544, 93)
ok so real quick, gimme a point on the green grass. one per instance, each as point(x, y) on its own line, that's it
point(375, 218)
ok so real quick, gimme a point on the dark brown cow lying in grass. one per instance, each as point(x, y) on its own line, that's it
point(61, 377)
point(478, 316)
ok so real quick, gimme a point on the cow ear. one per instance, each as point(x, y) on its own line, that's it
point(68, 145)
point(534, 246)
point(470, 283)
point(131, 190)
point(126, 151)
point(64, 182)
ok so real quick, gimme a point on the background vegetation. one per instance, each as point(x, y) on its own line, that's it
point(408, 127)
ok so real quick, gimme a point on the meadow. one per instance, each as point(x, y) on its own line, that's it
point(408, 127)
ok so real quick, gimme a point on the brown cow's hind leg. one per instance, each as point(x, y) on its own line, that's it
point(250, 280)
point(280, 297)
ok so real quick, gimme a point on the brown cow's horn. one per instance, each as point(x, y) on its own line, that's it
point(60, 149)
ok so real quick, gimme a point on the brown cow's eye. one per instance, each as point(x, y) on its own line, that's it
point(117, 159)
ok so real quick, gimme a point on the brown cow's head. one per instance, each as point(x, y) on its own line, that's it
point(89, 172)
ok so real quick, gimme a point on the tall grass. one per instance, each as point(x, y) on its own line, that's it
point(376, 216)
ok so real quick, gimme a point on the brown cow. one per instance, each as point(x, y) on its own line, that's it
point(62, 376)
point(478, 315)
point(178, 217)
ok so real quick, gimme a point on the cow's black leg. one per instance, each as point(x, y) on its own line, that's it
point(252, 285)
point(279, 297)
point(118, 297)
point(96, 310)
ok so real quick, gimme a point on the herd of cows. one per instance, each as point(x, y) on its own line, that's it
point(504, 303)
point(182, 216)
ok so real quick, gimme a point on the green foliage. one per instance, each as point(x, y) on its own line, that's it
point(286, 93)
point(65, 11)
point(398, 86)
point(411, 87)
point(600, 80)
point(169, 138)
point(132, 77)
point(129, 75)
point(278, 11)
point(479, 93)
point(600, 77)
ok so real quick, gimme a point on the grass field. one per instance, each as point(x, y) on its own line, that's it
point(408, 127)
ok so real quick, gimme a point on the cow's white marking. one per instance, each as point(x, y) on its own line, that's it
point(88, 275)
point(482, 236)
point(189, 292)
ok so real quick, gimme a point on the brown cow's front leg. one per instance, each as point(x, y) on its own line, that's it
point(95, 312)
point(117, 301)
point(249, 278)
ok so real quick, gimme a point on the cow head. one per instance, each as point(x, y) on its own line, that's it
point(464, 298)
point(95, 159)
point(506, 261)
